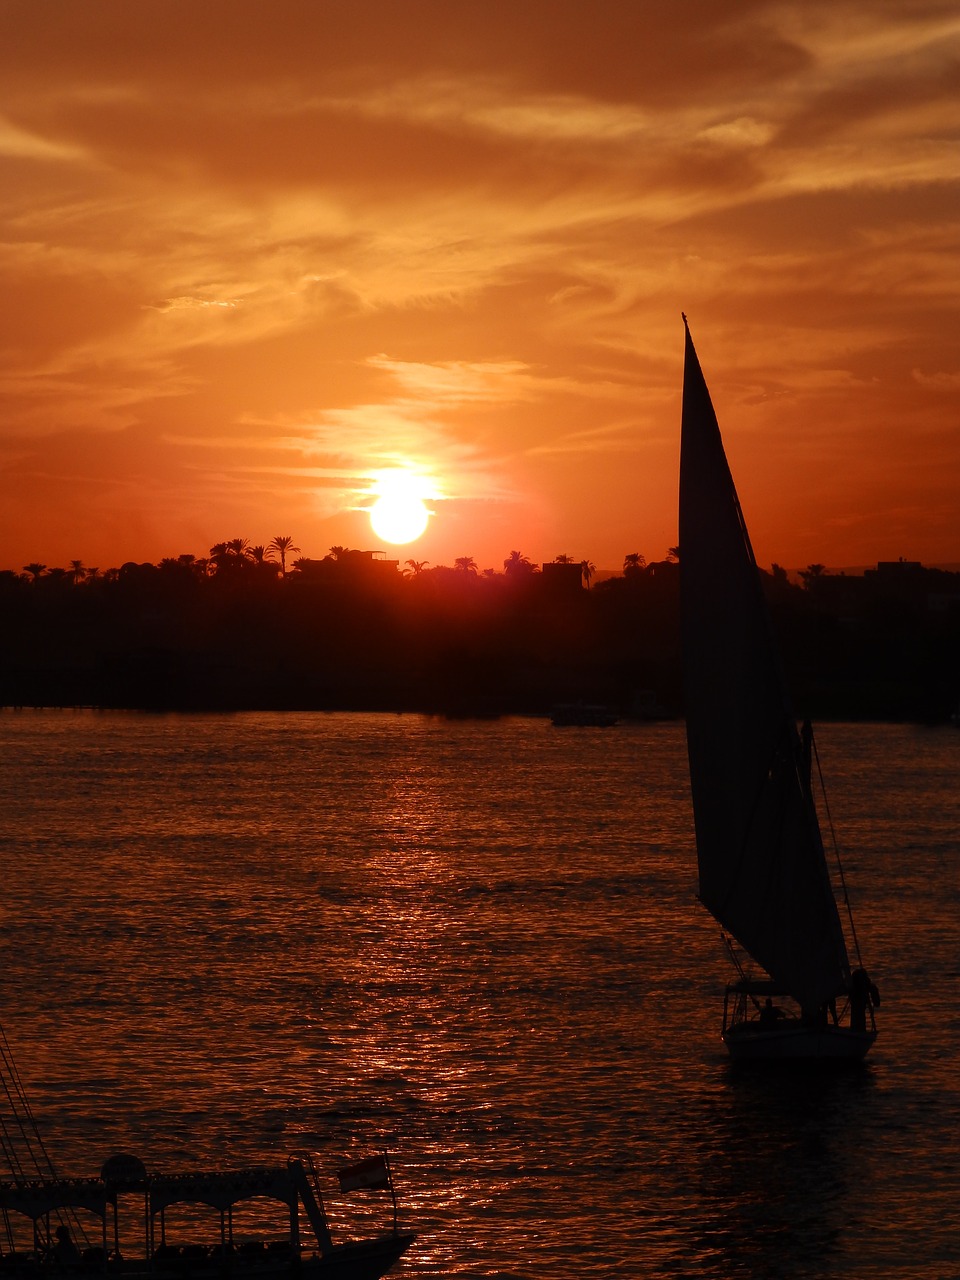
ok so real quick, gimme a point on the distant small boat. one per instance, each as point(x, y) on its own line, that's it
point(763, 870)
point(588, 714)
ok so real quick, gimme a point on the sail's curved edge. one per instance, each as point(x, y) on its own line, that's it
point(763, 873)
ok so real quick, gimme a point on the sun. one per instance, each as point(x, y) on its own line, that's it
point(399, 514)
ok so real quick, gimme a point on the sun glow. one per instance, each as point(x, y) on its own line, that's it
point(399, 514)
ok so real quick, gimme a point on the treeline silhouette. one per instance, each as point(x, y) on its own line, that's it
point(257, 627)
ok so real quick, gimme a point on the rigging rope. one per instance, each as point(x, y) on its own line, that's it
point(23, 1116)
point(18, 1115)
point(836, 851)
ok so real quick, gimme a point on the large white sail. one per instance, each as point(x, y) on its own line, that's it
point(763, 872)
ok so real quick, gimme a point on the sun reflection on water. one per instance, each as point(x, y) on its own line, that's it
point(478, 946)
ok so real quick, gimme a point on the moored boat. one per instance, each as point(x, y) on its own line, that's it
point(586, 714)
point(60, 1212)
point(763, 869)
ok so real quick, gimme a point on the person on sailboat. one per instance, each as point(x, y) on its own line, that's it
point(770, 1014)
point(863, 994)
point(65, 1251)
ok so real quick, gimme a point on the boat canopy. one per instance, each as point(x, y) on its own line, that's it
point(763, 873)
point(219, 1190)
point(222, 1190)
point(37, 1197)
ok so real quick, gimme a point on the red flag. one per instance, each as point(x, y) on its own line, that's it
point(372, 1173)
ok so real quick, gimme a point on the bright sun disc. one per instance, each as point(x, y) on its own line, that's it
point(399, 514)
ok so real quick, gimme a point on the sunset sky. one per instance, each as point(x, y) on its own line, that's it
point(253, 254)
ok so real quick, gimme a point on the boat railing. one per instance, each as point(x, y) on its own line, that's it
point(741, 995)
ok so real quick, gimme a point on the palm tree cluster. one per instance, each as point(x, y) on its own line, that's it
point(224, 557)
point(261, 625)
point(245, 627)
point(275, 559)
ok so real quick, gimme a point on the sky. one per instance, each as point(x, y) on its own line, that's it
point(255, 254)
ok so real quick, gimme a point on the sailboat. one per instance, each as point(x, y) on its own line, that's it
point(763, 868)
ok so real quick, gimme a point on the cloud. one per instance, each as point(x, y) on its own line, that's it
point(941, 381)
point(217, 218)
point(459, 382)
point(21, 144)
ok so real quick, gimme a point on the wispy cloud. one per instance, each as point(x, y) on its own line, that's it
point(263, 265)
point(941, 381)
point(22, 144)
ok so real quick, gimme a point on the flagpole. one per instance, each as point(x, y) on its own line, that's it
point(393, 1191)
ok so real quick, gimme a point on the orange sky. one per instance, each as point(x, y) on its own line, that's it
point(254, 252)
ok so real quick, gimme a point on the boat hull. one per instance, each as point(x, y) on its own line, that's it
point(357, 1260)
point(586, 715)
point(363, 1260)
point(794, 1042)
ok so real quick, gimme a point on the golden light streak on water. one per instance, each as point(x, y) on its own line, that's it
point(226, 938)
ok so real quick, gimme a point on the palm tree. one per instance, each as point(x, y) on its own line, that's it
point(338, 552)
point(517, 563)
point(76, 571)
point(563, 560)
point(811, 574)
point(239, 548)
point(417, 566)
point(281, 544)
point(674, 554)
point(465, 564)
point(633, 563)
point(587, 569)
point(35, 570)
point(257, 554)
point(219, 556)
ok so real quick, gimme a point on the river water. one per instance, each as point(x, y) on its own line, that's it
point(475, 943)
